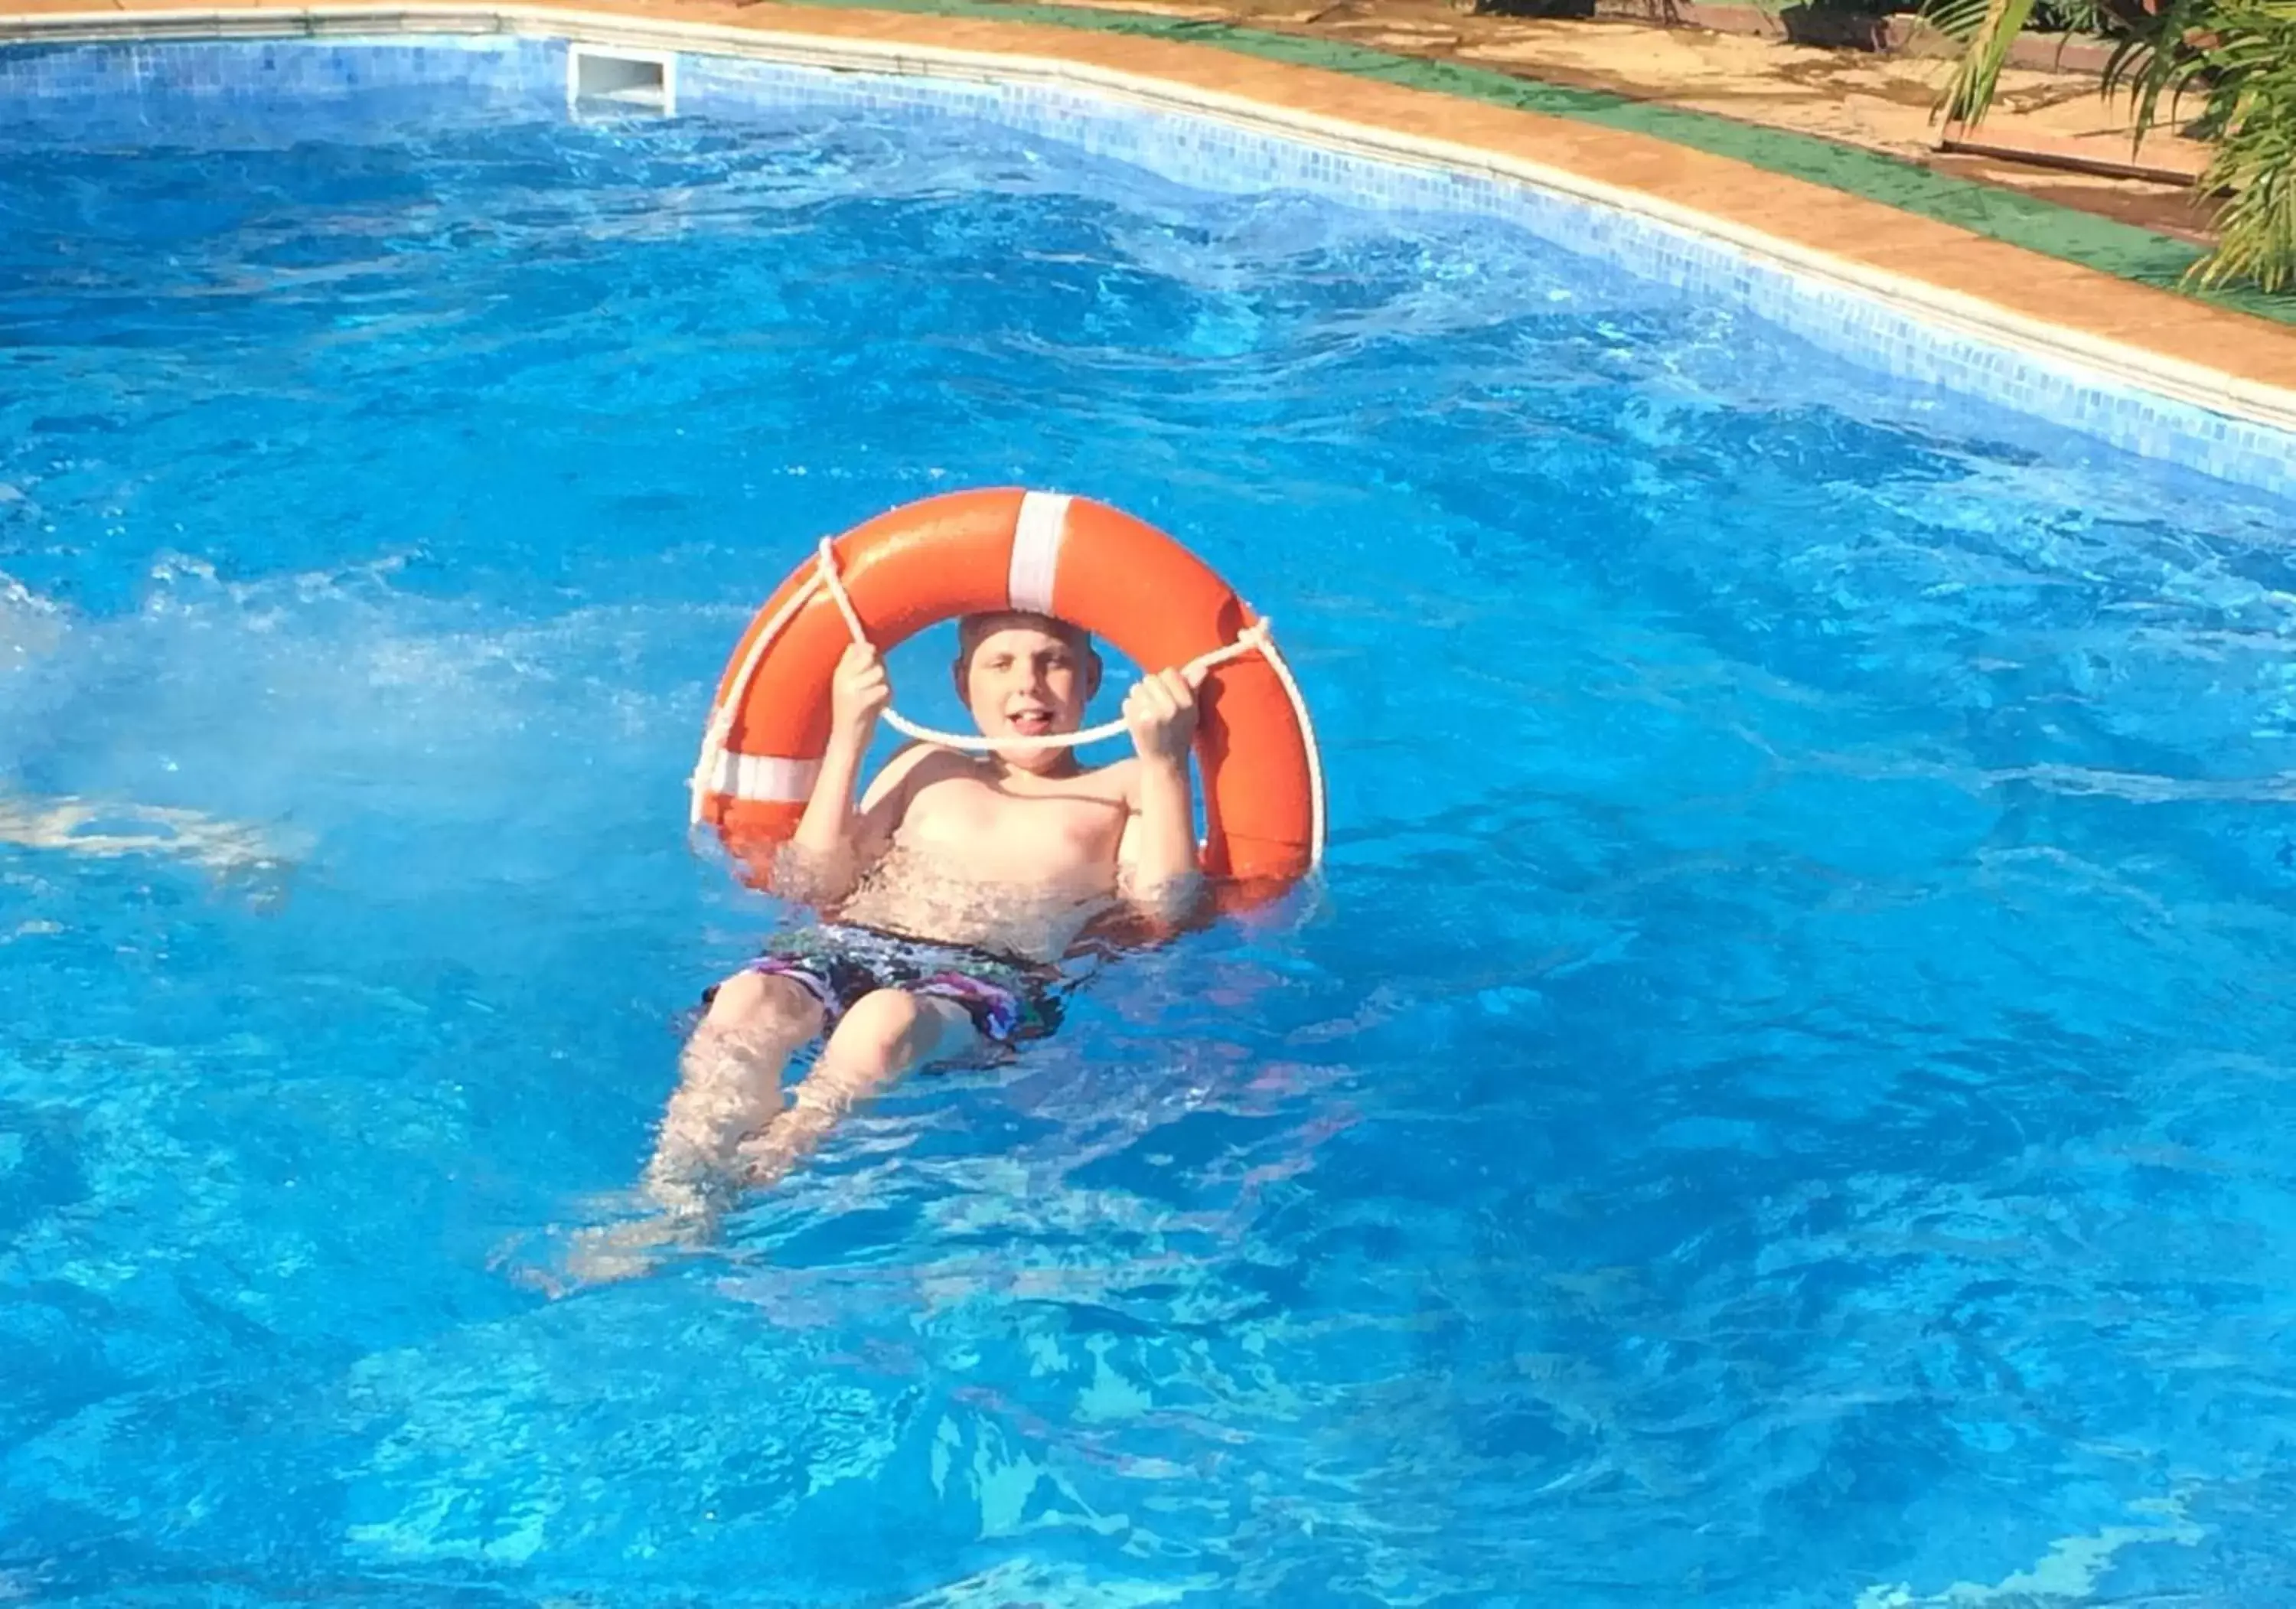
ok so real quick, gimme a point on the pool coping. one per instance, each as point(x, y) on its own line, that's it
point(2222, 361)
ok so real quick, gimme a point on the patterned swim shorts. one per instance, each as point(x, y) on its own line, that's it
point(837, 962)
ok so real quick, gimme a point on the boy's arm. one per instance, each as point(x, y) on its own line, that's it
point(1158, 851)
point(830, 845)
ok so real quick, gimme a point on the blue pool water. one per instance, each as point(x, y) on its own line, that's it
point(1783, 1097)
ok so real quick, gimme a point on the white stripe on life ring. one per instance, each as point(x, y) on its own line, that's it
point(764, 778)
point(1037, 550)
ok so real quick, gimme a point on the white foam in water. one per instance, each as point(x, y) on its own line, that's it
point(2069, 1572)
point(81, 826)
point(30, 625)
point(319, 701)
point(35, 633)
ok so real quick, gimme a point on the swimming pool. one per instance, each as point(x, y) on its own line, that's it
point(1782, 1099)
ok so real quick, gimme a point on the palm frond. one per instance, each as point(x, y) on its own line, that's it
point(2160, 60)
point(2257, 238)
point(2252, 60)
point(2238, 57)
point(1987, 30)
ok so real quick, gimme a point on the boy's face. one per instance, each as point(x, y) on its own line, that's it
point(1026, 680)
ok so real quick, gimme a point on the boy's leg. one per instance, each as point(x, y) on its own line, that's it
point(730, 1086)
point(884, 1035)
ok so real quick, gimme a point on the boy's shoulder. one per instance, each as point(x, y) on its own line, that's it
point(912, 767)
point(1118, 776)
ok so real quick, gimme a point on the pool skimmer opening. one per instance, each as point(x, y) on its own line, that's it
point(600, 80)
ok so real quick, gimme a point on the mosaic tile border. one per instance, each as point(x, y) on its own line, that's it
point(240, 83)
point(2139, 401)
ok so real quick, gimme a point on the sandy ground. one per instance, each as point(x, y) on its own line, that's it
point(1885, 103)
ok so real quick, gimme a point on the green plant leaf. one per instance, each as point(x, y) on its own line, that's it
point(1987, 28)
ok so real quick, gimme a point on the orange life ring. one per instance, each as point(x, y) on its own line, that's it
point(971, 552)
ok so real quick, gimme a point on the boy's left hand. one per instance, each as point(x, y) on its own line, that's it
point(1160, 713)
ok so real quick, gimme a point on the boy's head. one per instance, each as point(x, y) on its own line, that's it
point(1026, 674)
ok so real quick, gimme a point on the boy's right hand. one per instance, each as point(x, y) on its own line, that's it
point(859, 692)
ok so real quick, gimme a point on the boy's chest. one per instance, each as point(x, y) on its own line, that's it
point(1020, 833)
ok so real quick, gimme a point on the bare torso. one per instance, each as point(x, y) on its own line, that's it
point(1004, 860)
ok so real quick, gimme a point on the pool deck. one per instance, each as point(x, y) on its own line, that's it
point(2212, 354)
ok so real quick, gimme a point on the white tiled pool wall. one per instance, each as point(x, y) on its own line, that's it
point(235, 78)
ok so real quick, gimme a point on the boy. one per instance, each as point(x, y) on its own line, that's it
point(952, 890)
